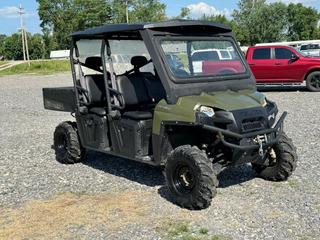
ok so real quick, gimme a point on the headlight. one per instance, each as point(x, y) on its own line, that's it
point(207, 111)
point(264, 103)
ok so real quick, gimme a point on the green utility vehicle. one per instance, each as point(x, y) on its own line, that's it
point(177, 94)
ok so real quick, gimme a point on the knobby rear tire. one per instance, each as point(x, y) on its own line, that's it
point(67, 145)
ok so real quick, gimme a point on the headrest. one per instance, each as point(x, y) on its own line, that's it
point(139, 61)
point(94, 63)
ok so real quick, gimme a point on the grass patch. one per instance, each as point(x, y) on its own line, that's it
point(183, 231)
point(38, 68)
point(293, 183)
point(305, 237)
point(276, 185)
point(2, 63)
point(203, 231)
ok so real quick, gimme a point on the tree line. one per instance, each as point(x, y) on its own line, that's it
point(253, 22)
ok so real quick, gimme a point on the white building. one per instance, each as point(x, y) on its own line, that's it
point(60, 54)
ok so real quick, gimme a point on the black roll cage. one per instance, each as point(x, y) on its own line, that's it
point(151, 34)
point(104, 46)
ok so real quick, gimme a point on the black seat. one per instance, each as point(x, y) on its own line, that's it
point(135, 97)
point(95, 97)
point(155, 89)
point(140, 91)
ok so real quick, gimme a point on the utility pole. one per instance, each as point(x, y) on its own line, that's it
point(26, 41)
point(127, 10)
point(23, 35)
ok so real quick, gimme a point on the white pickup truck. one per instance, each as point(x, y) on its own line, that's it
point(198, 56)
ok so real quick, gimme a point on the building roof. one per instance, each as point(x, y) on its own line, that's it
point(177, 25)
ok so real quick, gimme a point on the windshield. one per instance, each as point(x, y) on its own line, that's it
point(191, 58)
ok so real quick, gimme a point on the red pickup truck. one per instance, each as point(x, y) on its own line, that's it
point(284, 65)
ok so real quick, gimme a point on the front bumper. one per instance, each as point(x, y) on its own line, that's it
point(270, 135)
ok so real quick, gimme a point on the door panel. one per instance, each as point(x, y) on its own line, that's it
point(263, 70)
point(286, 69)
point(261, 64)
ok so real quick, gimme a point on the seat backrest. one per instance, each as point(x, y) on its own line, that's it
point(133, 89)
point(140, 88)
point(96, 90)
point(154, 87)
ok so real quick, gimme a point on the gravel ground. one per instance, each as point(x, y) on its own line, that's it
point(113, 198)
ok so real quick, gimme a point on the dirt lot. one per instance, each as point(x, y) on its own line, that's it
point(113, 198)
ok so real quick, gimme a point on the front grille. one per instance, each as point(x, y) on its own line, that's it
point(252, 126)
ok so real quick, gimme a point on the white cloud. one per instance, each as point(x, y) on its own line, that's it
point(8, 11)
point(12, 12)
point(201, 8)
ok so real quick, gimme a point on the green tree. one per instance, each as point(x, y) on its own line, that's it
point(91, 13)
point(2, 39)
point(272, 23)
point(255, 21)
point(246, 17)
point(12, 47)
point(62, 17)
point(50, 43)
point(216, 18)
point(184, 12)
point(302, 22)
point(139, 11)
point(36, 46)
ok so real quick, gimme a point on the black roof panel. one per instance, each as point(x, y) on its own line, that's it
point(166, 25)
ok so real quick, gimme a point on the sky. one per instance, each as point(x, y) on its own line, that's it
point(10, 23)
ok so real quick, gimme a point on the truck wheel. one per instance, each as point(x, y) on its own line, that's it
point(190, 177)
point(67, 145)
point(282, 159)
point(313, 82)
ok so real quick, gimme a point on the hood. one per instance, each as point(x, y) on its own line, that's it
point(185, 108)
point(226, 100)
point(311, 59)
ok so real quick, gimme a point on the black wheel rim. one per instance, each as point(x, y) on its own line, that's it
point(183, 178)
point(62, 145)
point(315, 81)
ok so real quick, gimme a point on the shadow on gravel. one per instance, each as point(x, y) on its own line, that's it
point(152, 176)
point(121, 167)
point(282, 89)
point(235, 175)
